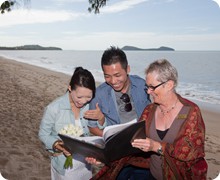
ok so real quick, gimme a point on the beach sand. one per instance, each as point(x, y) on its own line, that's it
point(24, 93)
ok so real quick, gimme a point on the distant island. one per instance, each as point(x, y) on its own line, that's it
point(162, 48)
point(30, 47)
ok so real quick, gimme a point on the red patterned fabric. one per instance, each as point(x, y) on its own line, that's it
point(184, 159)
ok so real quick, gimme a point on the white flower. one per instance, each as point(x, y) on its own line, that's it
point(70, 129)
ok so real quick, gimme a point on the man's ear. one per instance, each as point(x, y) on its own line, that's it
point(128, 69)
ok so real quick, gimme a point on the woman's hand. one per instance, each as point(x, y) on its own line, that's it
point(146, 144)
point(93, 161)
point(59, 147)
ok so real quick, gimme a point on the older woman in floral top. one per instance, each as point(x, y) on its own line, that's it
point(175, 132)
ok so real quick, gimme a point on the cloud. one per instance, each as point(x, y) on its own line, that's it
point(121, 6)
point(17, 17)
point(218, 2)
point(69, 1)
point(193, 29)
point(169, 1)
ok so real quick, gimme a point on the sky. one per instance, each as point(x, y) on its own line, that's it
point(179, 24)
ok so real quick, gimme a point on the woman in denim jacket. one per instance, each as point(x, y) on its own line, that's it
point(65, 110)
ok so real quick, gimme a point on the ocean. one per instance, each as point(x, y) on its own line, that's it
point(199, 71)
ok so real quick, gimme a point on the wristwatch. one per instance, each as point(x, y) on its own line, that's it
point(160, 150)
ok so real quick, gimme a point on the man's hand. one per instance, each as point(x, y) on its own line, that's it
point(95, 114)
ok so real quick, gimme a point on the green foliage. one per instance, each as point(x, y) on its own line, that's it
point(6, 6)
point(30, 47)
point(96, 5)
point(69, 162)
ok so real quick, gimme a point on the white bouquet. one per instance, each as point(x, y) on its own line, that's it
point(70, 129)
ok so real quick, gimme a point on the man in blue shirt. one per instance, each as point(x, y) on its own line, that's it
point(121, 98)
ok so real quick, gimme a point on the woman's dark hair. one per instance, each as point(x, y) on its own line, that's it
point(83, 78)
point(114, 55)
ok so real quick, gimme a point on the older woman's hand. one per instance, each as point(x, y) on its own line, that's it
point(146, 144)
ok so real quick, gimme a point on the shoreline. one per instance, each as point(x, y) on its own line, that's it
point(26, 90)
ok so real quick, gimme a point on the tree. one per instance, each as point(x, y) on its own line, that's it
point(6, 6)
point(95, 5)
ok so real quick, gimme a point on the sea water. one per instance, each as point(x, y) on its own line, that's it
point(199, 71)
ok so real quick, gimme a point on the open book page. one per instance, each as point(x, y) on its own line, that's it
point(96, 140)
point(111, 130)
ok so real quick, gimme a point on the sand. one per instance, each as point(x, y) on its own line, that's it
point(24, 92)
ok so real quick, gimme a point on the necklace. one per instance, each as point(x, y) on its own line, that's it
point(167, 111)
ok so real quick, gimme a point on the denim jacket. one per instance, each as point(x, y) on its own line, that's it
point(106, 99)
point(58, 114)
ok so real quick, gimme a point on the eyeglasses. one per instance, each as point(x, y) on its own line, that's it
point(152, 88)
point(126, 99)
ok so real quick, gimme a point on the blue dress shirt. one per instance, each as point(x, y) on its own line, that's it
point(105, 97)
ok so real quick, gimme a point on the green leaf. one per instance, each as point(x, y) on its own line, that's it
point(69, 162)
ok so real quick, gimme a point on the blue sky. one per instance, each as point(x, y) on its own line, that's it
point(180, 24)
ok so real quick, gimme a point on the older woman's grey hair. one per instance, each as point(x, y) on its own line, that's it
point(165, 70)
